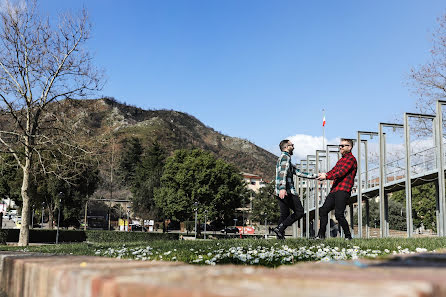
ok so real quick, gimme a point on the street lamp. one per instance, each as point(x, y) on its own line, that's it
point(243, 222)
point(196, 217)
point(266, 228)
point(205, 220)
point(58, 218)
point(32, 217)
point(43, 209)
point(235, 222)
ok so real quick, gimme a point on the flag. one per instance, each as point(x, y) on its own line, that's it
point(323, 122)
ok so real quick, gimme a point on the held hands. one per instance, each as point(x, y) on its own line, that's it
point(282, 194)
point(322, 176)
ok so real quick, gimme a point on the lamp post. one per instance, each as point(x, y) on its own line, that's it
point(235, 222)
point(205, 220)
point(32, 217)
point(58, 218)
point(196, 217)
point(243, 222)
point(43, 209)
point(266, 228)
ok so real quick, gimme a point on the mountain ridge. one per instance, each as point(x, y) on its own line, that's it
point(173, 130)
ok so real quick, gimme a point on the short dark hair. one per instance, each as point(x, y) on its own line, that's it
point(283, 144)
point(348, 140)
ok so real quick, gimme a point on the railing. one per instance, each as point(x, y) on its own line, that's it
point(422, 161)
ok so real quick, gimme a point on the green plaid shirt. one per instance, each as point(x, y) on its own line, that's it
point(284, 174)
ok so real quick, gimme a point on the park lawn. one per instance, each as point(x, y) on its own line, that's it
point(263, 252)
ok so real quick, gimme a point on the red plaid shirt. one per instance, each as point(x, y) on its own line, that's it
point(343, 173)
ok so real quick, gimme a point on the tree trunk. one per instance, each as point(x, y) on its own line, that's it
point(24, 229)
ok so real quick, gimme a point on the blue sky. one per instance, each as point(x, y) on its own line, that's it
point(263, 70)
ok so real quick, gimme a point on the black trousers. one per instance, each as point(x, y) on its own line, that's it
point(338, 202)
point(290, 202)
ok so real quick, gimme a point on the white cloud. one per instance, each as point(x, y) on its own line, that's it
point(307, 145)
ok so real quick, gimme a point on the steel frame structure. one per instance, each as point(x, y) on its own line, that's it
point(404, 180)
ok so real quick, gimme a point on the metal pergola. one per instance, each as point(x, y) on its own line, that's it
point(380, 185)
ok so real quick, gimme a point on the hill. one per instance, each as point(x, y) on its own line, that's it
point(172, 129)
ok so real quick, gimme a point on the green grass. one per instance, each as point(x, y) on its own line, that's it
point(248, 251)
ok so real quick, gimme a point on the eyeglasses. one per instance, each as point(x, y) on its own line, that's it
point(342, 145)
point(291, 145)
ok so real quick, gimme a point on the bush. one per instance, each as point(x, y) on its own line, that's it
point(3, 234)
point(123, 237)
point(43, 236)
point(49, 236)
point(189, 225)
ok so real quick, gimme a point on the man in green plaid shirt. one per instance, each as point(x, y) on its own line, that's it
point(285, 191)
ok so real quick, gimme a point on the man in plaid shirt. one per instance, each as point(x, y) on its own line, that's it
point(285, 191)
point(343, 175)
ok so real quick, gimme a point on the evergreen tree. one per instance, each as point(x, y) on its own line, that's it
point(130, 160)
point(423, 205)
point(265, 204)
point(146, 178)
point(197, 176)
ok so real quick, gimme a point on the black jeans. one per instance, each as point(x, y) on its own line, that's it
point(290, 202)
point(338, 202)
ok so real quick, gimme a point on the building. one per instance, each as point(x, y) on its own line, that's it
point(253, 182)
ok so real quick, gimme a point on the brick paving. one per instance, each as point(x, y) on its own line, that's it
point(43, 275)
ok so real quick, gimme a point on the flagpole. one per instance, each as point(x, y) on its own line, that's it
point(323, 129)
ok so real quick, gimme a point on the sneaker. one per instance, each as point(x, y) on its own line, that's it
point(348, 237)
point(279, 234)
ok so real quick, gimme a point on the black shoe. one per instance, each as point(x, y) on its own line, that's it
point(348, 237)
point(319, 237)
point(280, 231)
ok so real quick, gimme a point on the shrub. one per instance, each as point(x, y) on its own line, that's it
point(3, 234)
point(123, 237)
point(49, 236)
point(43, 236)
point(189, 225)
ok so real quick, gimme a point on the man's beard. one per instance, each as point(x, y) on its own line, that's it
point(291, 153)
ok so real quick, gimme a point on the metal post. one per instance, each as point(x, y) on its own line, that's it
point(205, 222)
point(351, 218)
point(58, 218)
point(196, 217)
point(327, 185)
point(243, 222)
point(367, 218)
point(43, 209)
point(441, 168)
point(301, 197)
point(386, 214)
point(383, 211)
point(85, 217)
point(382, 180)
point(408, 177)
point(32, 217)
point(318, 193)
point(366, 159)
point(266, 227)
point(437, 211)
point(297, 182)
point(408, 180)
point(307, 203)
point(359, 190)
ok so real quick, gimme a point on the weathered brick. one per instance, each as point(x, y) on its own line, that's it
point(25, 275)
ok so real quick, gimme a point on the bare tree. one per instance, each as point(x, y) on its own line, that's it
point(428, 81)
point(40, 64)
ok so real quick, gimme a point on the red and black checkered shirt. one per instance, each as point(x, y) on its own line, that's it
point(343, 173)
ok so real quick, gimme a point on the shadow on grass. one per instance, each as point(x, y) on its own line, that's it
point(431, 260)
